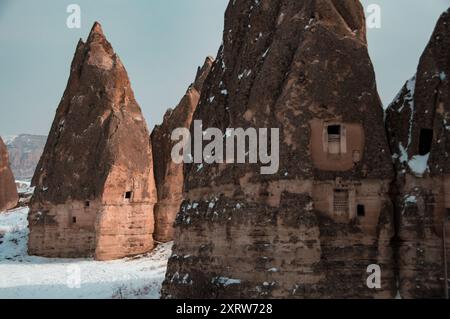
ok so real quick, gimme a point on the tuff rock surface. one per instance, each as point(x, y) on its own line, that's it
point(418, 128)
point(95, 188)
point(169, 175)
point(8, 190)
point(312, 229)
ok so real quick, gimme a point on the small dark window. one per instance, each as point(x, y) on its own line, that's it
point(128, 195)
point(87, 203)
point(74, 220)
point(334, 139)
point(361, 210)
point(448, 214)
point(426, 140)
point(334, 130)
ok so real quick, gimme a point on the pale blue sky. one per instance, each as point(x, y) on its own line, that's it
point(161, 43)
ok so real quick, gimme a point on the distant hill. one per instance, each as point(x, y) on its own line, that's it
point(24, 153)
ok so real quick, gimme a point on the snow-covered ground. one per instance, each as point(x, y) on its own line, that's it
point(23, 276)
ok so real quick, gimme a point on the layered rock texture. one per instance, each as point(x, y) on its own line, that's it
point(25, 151)
point(419, 134)
point(311, 229)
point(169, 175)
point(8, 190)
point(95, 188)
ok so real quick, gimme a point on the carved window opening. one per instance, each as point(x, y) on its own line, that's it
point(425, 141)
point(87, 203)
point(128, 195)
point(334, 139)
point(341, 201)
point(447, 211)
point(360, 210)
point(74, 220)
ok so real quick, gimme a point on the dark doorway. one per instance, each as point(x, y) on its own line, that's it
point(74, 220)
point(361, 210)
point(128, 195)
point(425, 141)
point(87, 203)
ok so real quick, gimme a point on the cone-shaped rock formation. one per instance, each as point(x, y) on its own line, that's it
point(169, 175)
point(95, 188)
point(8, 189)
point(418, 126)
point(313, 228)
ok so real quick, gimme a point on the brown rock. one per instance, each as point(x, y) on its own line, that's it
point(8, 190)
point(25, 151)
point(419, 134)
point(312, 229)
point(168, 175)
point(95, 188)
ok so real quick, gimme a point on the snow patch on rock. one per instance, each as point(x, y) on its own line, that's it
point(419, 164)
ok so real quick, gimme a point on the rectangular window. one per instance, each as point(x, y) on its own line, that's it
point(74, 220)
point(128, 195)
point(87, 203)
point(426, 141)
point(340, 201)
point(361, 210)
point(334, 139)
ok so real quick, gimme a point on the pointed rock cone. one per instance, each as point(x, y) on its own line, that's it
point(8, 189)
point(418, 126)
point(95, 188)
point(312, 227)
point(169, 175)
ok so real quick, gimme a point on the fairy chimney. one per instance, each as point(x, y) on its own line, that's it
point(8, 190)
point(418, 126)
point(168, 174)
point(95, 188)
point(315, 227)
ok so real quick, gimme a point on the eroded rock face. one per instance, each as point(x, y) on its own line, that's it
point(168, 174)
point(25, 151)
point(418, 128)
point(8, 190)
point(95, 188)
point(312, 229)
